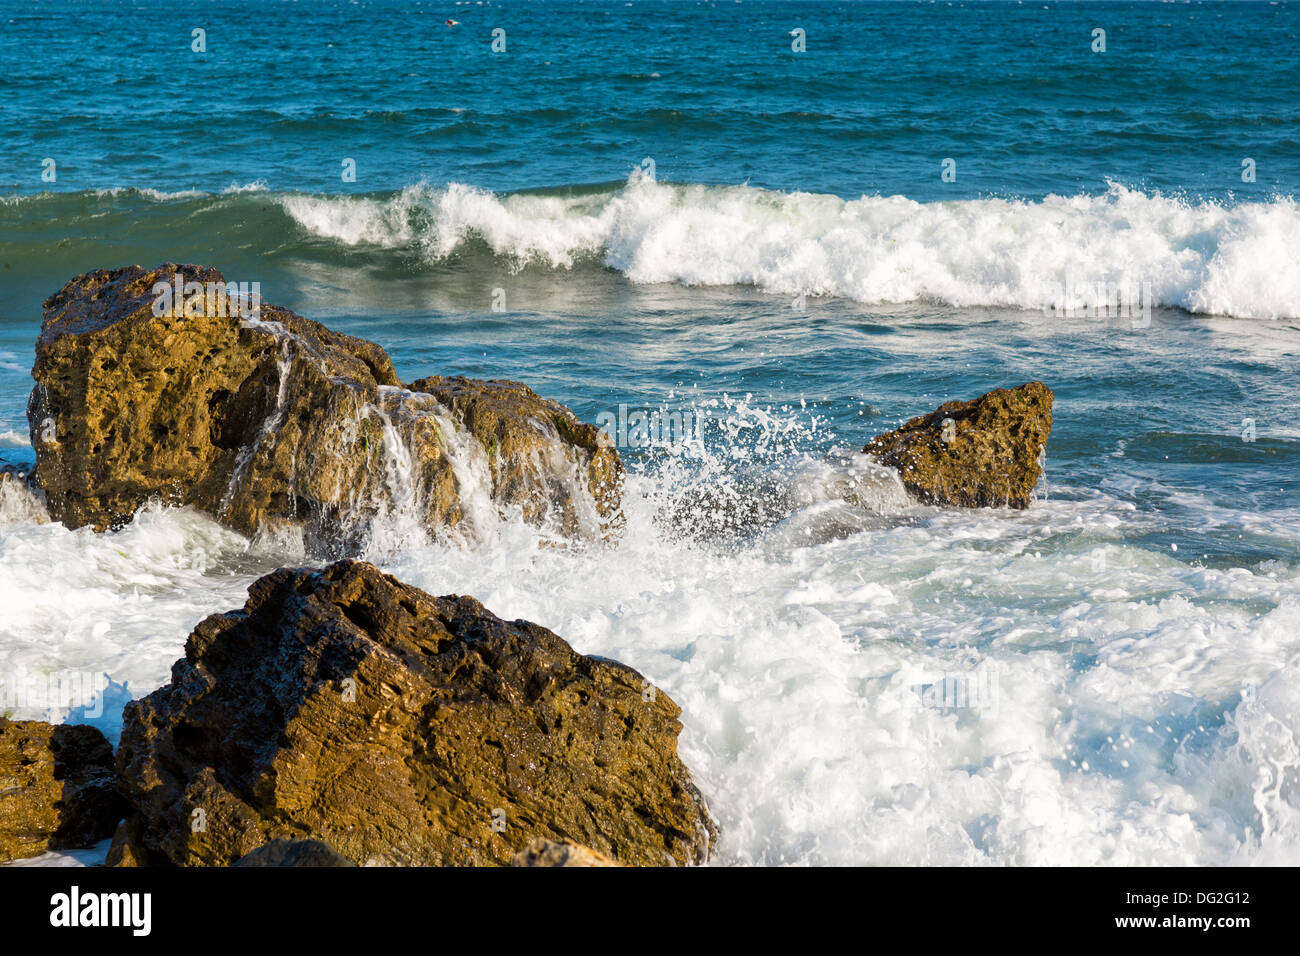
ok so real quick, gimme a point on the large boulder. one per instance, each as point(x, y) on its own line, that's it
point(56, 788)
point(263, 418)
point(343, 706)
point(987, 452)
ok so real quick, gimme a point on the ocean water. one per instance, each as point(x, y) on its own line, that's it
point(663, 208)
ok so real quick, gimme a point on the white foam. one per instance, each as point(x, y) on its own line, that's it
point(234, 189)
point(148, 192)
point(91, 856)
point(1118, 733)
point(19, 504)
point(113, 607)
point(1232, 259)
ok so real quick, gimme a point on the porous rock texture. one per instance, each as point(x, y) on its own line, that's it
point(294, 853)
point(547, 853)
point(986, 452)
point(344, 706)
point(263, 418)
point(56, 788)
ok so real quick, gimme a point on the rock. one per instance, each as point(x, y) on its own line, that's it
point(989, 456)
point(125, 850)
point(56, 788)
point(269, 419)
point(294, 853)
point(507, 419)
point(401, 729)
point(548, 853)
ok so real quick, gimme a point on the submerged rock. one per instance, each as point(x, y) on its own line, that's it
point(263, 418)
point(56, 788)
point(399, 728)
point(549, 853)
point(983, 453)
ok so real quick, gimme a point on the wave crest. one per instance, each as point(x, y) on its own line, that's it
point(1201, 256)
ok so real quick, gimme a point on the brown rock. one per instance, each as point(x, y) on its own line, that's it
point(56, 788)
point(275, 420)
point(543, 852)
point(125, 850)
point(294, 853)
point(988, 456)
point(529, 442)
point(399, 728)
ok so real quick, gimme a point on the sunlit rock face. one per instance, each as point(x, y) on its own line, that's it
point(168, 384)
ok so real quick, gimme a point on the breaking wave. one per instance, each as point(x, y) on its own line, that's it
point(1237, 259)
point(1207, 257)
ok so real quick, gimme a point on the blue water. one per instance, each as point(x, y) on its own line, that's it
point(793, 262)
point(712, 91)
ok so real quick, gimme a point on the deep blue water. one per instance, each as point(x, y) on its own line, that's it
point(711, 91)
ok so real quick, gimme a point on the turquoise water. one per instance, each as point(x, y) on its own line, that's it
point(793, 268)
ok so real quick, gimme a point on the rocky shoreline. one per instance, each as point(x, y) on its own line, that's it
point(267, 420)
point(344, 706)
point(342, 717)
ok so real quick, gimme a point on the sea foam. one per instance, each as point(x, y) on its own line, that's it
point(1232, 259)
point(1142, 709)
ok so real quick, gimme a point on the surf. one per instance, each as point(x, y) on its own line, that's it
point(1202, 256)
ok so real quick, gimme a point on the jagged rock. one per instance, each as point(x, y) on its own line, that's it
point(548, 853)
point(266, 418)
point(294, 853)
point(400, 728)
point(983, 453)
point(56, 788)
point(125, 849)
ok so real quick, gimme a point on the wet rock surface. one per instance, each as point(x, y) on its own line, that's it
point(542, 853)
point(981, 453)
point(529, 443)
point(294, 853)
point(263, 418)
point(56, 788)
point(399, 728)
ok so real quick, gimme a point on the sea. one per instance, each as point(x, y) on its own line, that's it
point(747, 237)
